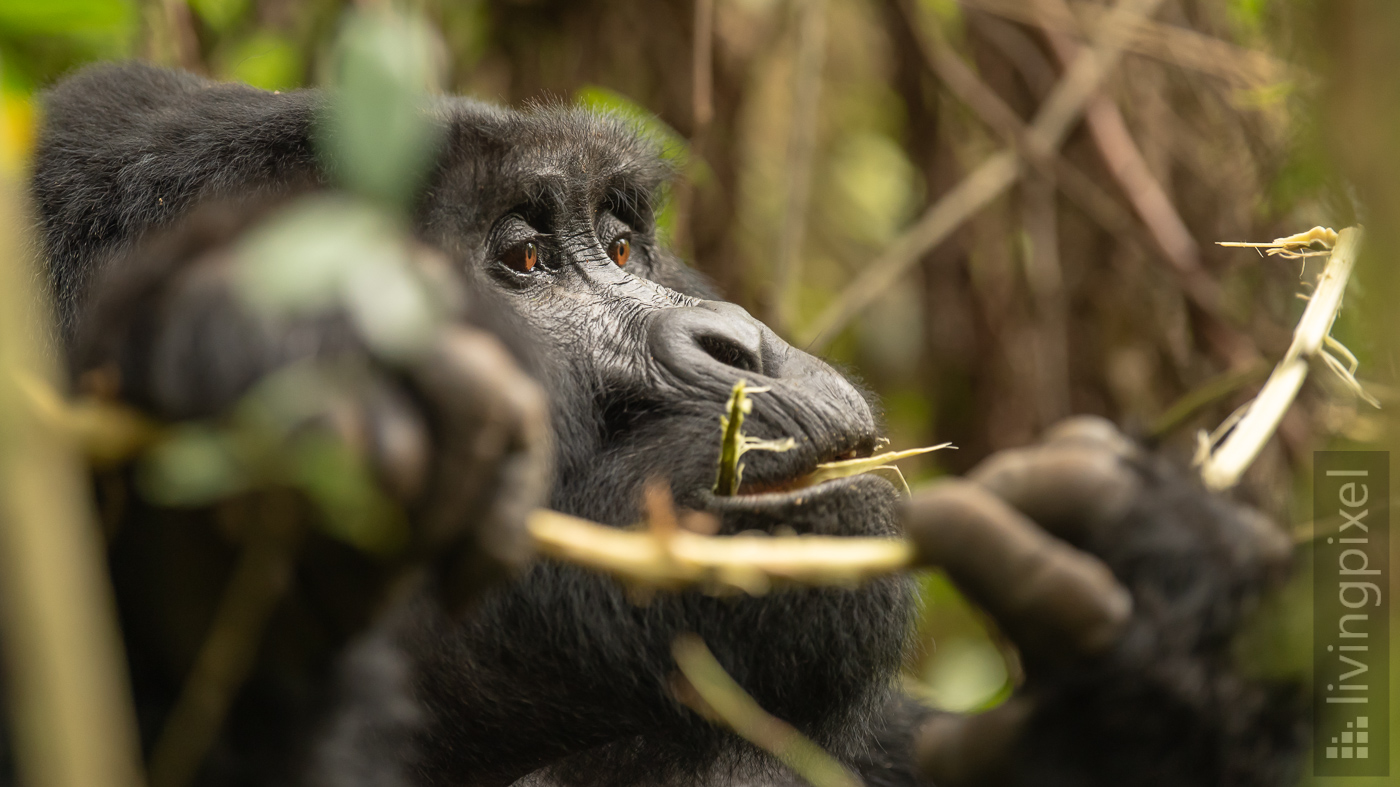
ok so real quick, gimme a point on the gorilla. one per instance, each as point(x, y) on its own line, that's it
point(1118, 577)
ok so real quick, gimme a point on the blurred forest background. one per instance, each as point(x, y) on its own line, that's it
point(838, 176)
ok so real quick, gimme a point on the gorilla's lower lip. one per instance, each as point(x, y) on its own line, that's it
point(785, 501)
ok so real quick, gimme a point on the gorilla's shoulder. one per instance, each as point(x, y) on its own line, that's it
point(103, 91)
point(111, 105)
point(128, 147)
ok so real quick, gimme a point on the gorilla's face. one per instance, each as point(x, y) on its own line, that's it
point(639, 363)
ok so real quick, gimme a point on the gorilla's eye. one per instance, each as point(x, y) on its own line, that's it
point(522, 257)
point(620, 250)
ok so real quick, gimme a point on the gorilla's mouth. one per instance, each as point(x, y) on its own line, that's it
point(783, 497)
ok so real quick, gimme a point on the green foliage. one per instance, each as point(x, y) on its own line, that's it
point(880, 185)
point(195, 465)
point(264, 60)
point(674, 148)
point(66, 17)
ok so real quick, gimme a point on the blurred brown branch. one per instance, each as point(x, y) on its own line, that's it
point(702, 70)
point(802, 145)
point(1052, 124)
point(1147, 196)
point(964, 83)
point(1247, 68)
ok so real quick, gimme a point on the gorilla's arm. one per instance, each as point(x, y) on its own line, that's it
point(1146, 696)
point(127, 148)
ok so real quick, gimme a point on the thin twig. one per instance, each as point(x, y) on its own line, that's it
point(710, 691)
point(1206, 394)
point(1222, 468)
point(1045, 280)
point(1052, 124)
point(702, 113)
point(671, 552)
point(751, 564)
point(65, 677)
point(226, 657)
point(1125, 161)
point(802, 145)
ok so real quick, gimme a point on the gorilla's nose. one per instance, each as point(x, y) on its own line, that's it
point(713, 339)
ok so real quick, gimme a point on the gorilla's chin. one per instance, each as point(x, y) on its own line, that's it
point(600, 659)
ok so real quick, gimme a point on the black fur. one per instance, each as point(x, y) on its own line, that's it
point(559, 677)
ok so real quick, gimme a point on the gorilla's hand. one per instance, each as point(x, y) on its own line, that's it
point(491, 463)
point(1121, 580)
point(457, 432)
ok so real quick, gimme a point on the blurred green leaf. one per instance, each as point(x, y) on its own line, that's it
point(63, 17)
point(347, 495)
point(1247, 15)
point(643, 120)
point(196, 465)
point(263, 60)
point(880, 184)
point(294, 264)
point(965, 673)
point(329, 253)
point(379, 139)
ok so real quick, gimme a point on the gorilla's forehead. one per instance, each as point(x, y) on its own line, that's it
point(550, 154)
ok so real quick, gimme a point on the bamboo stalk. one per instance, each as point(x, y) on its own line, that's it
point(73, 720)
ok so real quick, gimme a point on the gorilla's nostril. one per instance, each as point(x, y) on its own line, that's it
point(729, 353)
point(713, 343)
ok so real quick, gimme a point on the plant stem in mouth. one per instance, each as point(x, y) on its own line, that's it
point(734, 444)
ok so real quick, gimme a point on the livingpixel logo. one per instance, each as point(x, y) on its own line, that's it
point(1351, 613)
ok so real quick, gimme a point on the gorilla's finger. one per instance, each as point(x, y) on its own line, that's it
point(1050, 597)
point(491, 458)
point(954, 750)
point(1069, 488)
point(398, 442)
point(1091, 430)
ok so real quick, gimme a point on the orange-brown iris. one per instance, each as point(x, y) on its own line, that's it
point(620, 250)
point(523, 257)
